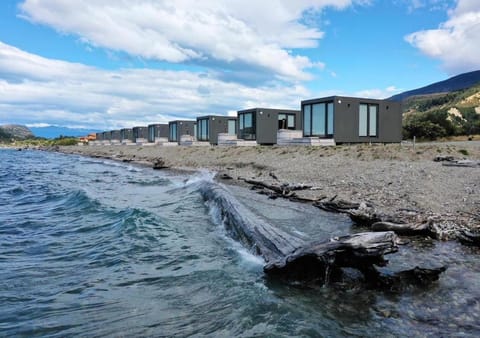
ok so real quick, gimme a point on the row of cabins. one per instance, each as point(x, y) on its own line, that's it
point(323, 121)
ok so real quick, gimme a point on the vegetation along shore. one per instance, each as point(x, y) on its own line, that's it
point(392, 186)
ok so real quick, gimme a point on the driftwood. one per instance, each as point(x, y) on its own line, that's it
point(469, 237)
point(158, 164)
point(290, 257)
point(450, 161)
point(284, 190)
point(462, 163)
point(405, 229)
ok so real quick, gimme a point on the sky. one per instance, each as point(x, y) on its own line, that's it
point(102, 64)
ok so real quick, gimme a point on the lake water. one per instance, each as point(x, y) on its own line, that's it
point(99, 248)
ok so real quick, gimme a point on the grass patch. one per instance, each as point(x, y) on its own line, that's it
point(464, 152)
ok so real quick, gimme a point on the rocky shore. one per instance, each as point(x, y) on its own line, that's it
point(398, 181)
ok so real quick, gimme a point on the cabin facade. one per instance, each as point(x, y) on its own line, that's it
point(115, 136)
point(157, 132)
point(352, 120)
point(126, 135)
point(178, 128)
point(139, 134)
point(208, 127)
point(262, 124)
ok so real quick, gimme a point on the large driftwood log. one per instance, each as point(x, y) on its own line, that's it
point(469, 237)
point(290, 257)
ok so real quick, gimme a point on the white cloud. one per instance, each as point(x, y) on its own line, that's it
point(455, 42)
point(36, 90)
point(249, 32)
point(378, 93)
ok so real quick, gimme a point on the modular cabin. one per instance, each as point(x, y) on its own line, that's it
point(126, 135)
point(352, 119)
point(262, 124)
point(178, 128)
point(139, 134)
point(208, 127)
point(157, 132)
point(106, 137)
point(99, 136)
point(115, 136)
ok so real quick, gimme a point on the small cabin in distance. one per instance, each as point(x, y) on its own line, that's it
point(352, 120)
point(157, 133)
point(262, 124)
point(126, 135)
point(208, 127)
point(139, 134)
point(115, 137)
point(178, 128)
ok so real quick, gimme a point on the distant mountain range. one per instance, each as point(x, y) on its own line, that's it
point(56, 131)
point(459, 82)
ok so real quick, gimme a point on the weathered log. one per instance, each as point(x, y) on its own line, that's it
point(444, 158)
point(158, 164)
point(290, 257)
point(314, 261)
point(469, 237)
point(407, 229)
point(462, 163)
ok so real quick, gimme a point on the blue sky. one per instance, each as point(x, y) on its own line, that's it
point(104, 64)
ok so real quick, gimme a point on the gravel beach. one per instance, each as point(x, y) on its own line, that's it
point(390, 177)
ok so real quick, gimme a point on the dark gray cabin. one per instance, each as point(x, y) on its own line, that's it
point(106, 136)
point(352, 119)
point(208, 127)
point(126, 134)
point(262, 124)
point(156, 131)
point(115, 135)
point(139, 133)
point(180, 127)
point(99, 137)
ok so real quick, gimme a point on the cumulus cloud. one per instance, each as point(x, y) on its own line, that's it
point(455, 42)
point(261, 34)
point(37, 90)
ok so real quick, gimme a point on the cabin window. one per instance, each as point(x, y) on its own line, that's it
point(151, 133)
point(247, 126)
point(318, 119)
point(286, 121)
point(173, 132)
point(202, 130)
point(232, 127)
point(368, 120)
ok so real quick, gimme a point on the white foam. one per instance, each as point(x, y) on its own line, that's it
point(249, 259)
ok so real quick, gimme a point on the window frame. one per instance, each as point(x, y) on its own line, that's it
point(308, 127)
point(241, 129)
point(369, 131)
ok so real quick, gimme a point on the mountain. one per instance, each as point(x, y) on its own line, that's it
point(15, 131)
point(56, 131)
point(452, 84)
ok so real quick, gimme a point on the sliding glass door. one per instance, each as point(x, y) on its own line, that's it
point(318, 119)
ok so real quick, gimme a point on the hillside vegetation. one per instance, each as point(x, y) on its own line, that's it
point(442, 115)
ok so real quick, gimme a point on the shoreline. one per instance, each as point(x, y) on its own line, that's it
point(394, 179)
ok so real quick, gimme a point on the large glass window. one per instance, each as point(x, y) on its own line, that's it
point(151, 133)
point(307, 119)
point(232, 127)
point(173, 132)
point(286, 121)
point(202, 130)
point(318, 119)
point(330, 118)
point(247, 126)
point(368, 120)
